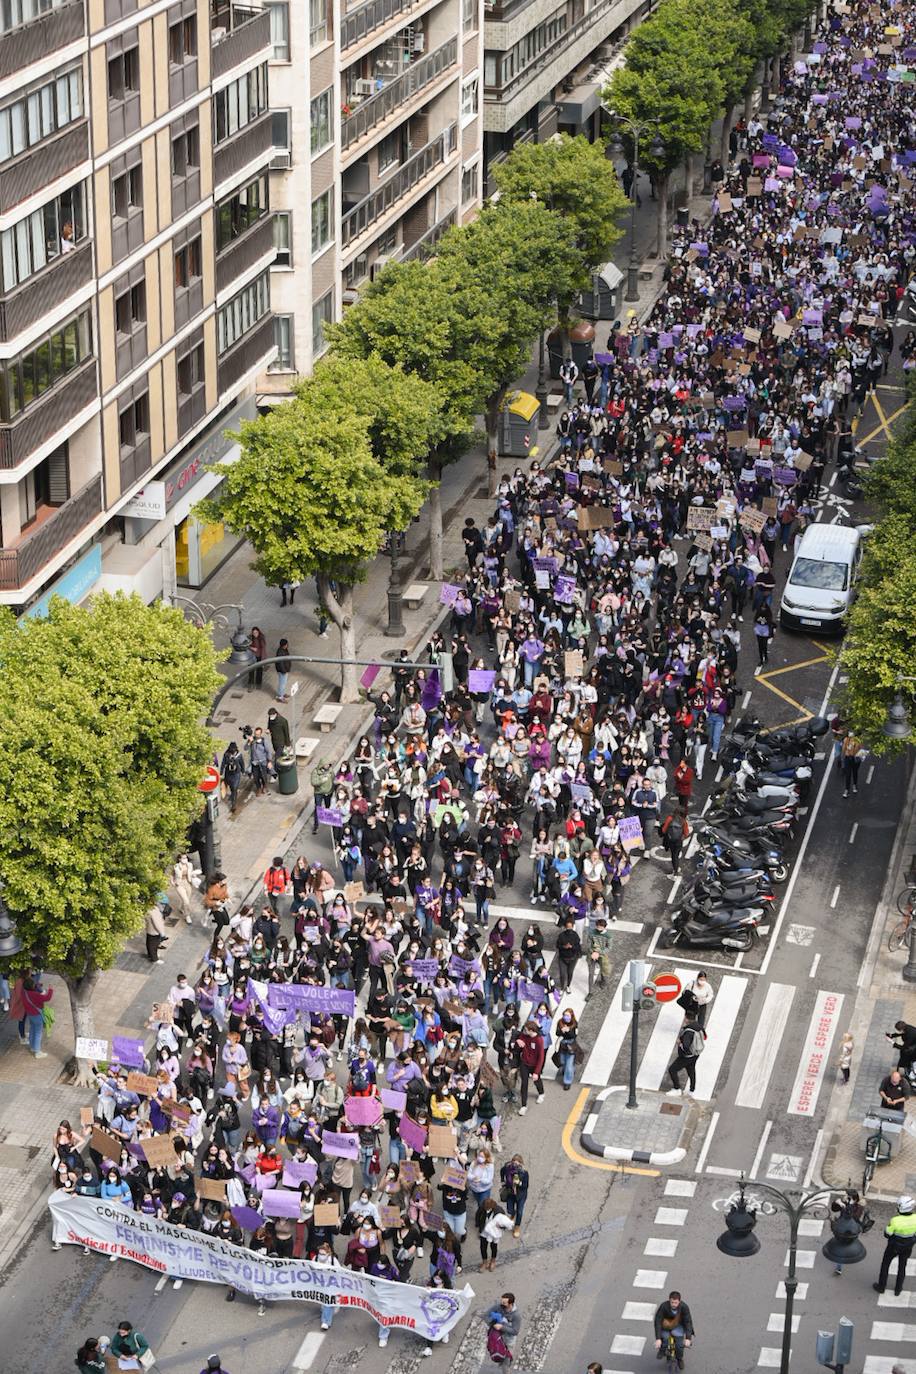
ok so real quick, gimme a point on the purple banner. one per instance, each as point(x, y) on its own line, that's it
point(274, 1019)
point(333, 1001)
point(481, 680)
point(328, 815)
point(339, 1146)
point(461, 966)
point(127, 1051)
point(298, 1171)
point(425, 969)
point(449, 594)
point(786, 477)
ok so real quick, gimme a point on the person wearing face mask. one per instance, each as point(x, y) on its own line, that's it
point(567, 1049)
point(480, 1176)
point(326, 1259)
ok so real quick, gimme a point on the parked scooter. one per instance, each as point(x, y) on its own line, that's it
point(721, 932)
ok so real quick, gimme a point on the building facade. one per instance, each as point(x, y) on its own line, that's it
point(135, 251)
point(377, 112)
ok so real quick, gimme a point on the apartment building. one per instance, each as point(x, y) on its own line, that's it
point(135, 251)
point(545, 64)
point(377, 113)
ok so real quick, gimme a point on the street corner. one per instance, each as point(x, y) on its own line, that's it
point(656, 1133)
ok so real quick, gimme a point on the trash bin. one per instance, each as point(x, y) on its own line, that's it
point(287, 774)
point(519, 424)
point(582, 341)
point(891, 1124)
point(683, 217)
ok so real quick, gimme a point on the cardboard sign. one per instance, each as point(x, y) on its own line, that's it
point(595, 518)
point(752, 335)
point(700, 518)
point(725, 202)
point(327, 1214)
point(513, 602)
point(177, 1111)
point(754, 187)
point(91, 1049)
point(752, 519)
point(737, 438)
point(443, 1142)
point(86, 1116)
point(143, 1083)
point(213, 1189)
point(803, 462)
point(488, 1075)
point(409, 1172)
point(703, 541)
point(159, 1151)
point(454, 1177)
point(104, 1143)
point(612, 466)
point(354, 891)
point(770, 505)
point(164, 1013)
point(389, 1216)
point(573, 663)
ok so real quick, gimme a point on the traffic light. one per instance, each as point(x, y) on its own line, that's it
point(628, 993)
point(446, 665)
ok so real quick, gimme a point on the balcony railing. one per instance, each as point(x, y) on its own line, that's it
point(252, 351)
point(359, 23)
point(427, 242)
point(236, 34)
point(41, 37)
point(547, 55)
point(18, 566)
point(37, 167)
point(242, 254)
point(42, 419)
point(357, 220)
point(247, 146)
point(397, 92)
point(52, 286)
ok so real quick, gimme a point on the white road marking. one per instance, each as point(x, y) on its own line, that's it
point(671, 1216)
point(721, 1171)
point(571, 1000)
point(161, 1284)
point(747, 700)
point(777, 1322)
point(680, 1187)
point(764, 1049)
point(660, 1050)
point(810, 1226)
point(675, 887)
point(721, 1023)
point(801, 1291)
point(869, 775)
point(892, 1331)
point(650, 1278)
point(701, 1162)
point(770, 1357)
point(894, 1300)
point(308, 1351)
point(812, 1162)
point(852, 833)
point(609, 1039)
point(814, 963)
point(177, 1283)
point(804, 1259)
point(660, 1247)
point(815, 1054)
point(630, 927)
point(834, 899)
point(627, 1345)
point(884, 1364)
point(765, 1135)
point(638, 1311)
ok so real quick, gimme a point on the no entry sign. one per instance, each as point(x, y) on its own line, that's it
point(667, 987)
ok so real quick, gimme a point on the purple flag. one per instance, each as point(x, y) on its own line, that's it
point(247, 1218)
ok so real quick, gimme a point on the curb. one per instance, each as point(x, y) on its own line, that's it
point(657, 1158)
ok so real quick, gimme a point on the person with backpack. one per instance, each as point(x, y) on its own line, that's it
point(276, 882)
point(504, 1322)
point(690, 1045)
point(322, 780)
point(674, 830)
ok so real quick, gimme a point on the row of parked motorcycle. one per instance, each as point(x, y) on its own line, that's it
point(743, 836)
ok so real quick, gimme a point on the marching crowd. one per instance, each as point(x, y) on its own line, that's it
point(596, 637)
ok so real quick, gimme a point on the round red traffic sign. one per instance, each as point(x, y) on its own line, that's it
point(667, 987)
point(210, 781)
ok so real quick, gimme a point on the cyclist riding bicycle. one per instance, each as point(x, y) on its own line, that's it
point(673, 1328)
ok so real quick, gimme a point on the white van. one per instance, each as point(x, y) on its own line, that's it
point(819, 589)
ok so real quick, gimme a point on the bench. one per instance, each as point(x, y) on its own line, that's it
point(326, 716)
point(306, 746)
point(414, 595)
point(554, 401)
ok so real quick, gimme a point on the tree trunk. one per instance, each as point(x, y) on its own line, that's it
point(749, 100)
point(78, 1071)
point(436, 564)
point(683, 192)
point(340, 609)
point(726, 130)
point(662, 192)
point(492, 423)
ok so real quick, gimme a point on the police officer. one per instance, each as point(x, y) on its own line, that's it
point(901, 1237)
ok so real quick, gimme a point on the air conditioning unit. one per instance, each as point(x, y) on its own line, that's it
point(365, 86)
point(383, 262)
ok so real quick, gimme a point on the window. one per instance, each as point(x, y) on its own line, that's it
point(13, 13)
point(186, 152)
point(283, 338)
point(503, 68)
point(389, 150)
point(279, 125)
point(46, 486)
point(243, 312)
point(124, 74)
point(279, 29)
point(133, 422)
point(127, 193)
point(322, 221)
point(321, 120)
point(130, 310)
point(26, 378)
point(241, 211)
point(183, 41)
point(241, 102)
point(470, 182)
point(318, 22)
point(43, 236)
point(283, 238)
point(187, 264)
point(190, 370)
point(357, 271)
point(322, 314)
point(469, 97)
point(40, 113)
point(469, 15)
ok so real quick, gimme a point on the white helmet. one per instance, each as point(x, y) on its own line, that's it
point(906, 1203)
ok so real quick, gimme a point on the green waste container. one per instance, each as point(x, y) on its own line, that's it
point(287, 774)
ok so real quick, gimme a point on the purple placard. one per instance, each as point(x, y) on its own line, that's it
point(818, 100)
point(461, 966)
point(772, 184)
point(392, 1100)
point(564, 589)
point(247, 1218)
point(532, 992)
point(819, 48)
point(265, 1182)
point(127, 1051)
point(481, 680)
point(546, 564)
point(852, 122)
point(813, 317)
point(298, 996)
point(281, 1203)
point(630, 831)
point(449, 594)
point(328, 815)
point(247, 1172)
point(701, 249)
point(666, 339)
point(363, 1111)
point(572, 481)
point(786, 477)
point(297, 1171)
point(413, 1136)
point(425, 969)
point(734, 402)
point(760, 160)
point(785, 173)
point(370, 675)
point(338, 1145)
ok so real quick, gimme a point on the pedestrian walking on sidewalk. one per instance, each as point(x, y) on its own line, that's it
point(34, 1000)
point(844, 1063)
point(283, 666)
point(259, 649)
point(851, 756)
point(155, 933)
point(690, 1045)
point(569, 952)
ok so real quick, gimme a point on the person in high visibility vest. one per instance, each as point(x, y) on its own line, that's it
point(901, 1237)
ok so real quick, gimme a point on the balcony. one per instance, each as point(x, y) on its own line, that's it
point(43, 419)
point(254, 350)
point(427, 242)
point(55, 284)
point(40, 38)
point(19, 565)
point(365, 19)
point(437, 151)
point(240, 256)
point(236, 34)
point(38, 166)
point(253, 143)
point(416, 78)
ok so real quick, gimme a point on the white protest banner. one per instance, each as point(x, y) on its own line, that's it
point(110, 1229)
point(91, 1049)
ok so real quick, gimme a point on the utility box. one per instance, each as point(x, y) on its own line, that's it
point(890, 1124)
point(518, 424)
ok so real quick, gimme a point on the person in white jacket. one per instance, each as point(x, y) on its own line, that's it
point(185, 879)
point(492, 1221)
point(703, 993)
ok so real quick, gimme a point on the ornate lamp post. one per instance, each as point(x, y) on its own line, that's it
point(204, 613)
point(395, 627)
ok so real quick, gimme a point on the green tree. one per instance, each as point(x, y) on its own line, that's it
point(406, 317)
point(880, 646)
point(102, 709)
point(312, 499)
point(503, 273)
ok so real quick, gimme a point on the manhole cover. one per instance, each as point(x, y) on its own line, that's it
point(671, 1108)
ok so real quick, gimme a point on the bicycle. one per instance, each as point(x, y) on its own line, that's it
point(877, 1151)
point(899, 936)
point(673, 1362)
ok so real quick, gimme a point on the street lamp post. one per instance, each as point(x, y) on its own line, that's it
point(540, 394)
point(10, 943)
point(395, 627)
point(636, 129)
point(897, 726)
point(204, 613)
point(739, 1241)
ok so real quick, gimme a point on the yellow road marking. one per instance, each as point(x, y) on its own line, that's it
point(791, 667)
point(806, 715)
point(591, 1162)
point(883, 426)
